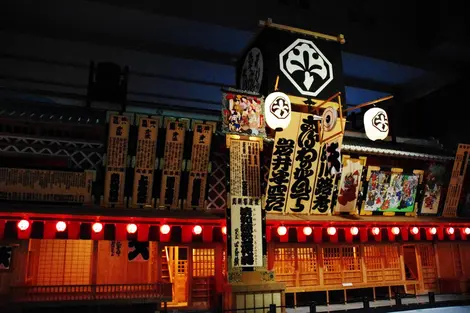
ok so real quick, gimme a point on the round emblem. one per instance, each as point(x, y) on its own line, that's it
point(329, 118)
point(277, 108)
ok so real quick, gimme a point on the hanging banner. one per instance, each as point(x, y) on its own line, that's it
point(202, 139)
point(350, 184)
point(243, 114)
point(456, 181)
point(17, 184)
point(145, 162)
point(116, 160)
point(306, 158)
point(432, 189)
point(245, 168)
point(246, 232)
point(282, 160)
point(172, 164)
point(138, 251)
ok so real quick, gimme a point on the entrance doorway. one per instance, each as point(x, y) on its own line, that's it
point(411, 263)
point(174, 267)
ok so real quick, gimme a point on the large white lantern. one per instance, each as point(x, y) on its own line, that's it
point(376, 124)
point(277, 109)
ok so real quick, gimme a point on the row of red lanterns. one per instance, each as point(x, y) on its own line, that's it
point(307, 230)
point(97, 227)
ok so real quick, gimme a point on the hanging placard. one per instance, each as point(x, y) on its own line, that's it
point(138, 251)
point(456, 181)
point(280, 172)
point(145, 162)
point(245, 168)
point(243, 114)
point(173, 162)
point(202, 139)
point(116, 160)
point(350, 184)
point(246, 232)
point(432, 189)
point(17, 184)
point(305, 164)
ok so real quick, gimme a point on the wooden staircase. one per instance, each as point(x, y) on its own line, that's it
point(165, 268)
point(201, 292)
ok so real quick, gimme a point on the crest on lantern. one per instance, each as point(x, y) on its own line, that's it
point(376, 124)
point(277, 108)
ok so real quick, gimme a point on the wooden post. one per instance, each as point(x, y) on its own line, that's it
point(94, 263)
point(320, 266)
point(363, 264)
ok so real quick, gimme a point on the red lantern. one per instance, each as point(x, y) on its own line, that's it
point(23, 225)
point(307, 230)
point(354, 231)
point(97, 227)
point(395, 230)
point(131, 228)
point(282, 230)
point(224, 230)
point(375, 231)
point(165, 229)
point(414, 230)
point(197, 230)
point(450, 231)
point(60, 226)
point(331, 231)
point(467, 231)
point(432, 230)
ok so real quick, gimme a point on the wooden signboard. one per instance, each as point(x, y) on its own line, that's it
point(245, 168)
point(17, 184)
point(116, 160)
point(456, 181)
point(246, 232)
point(145, 162)
point(350, 184)
point(202, 139)
point(172, 164)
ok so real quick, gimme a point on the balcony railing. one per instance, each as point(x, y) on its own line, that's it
point(137, 293)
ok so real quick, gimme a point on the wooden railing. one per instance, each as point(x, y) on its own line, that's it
point(156, 292)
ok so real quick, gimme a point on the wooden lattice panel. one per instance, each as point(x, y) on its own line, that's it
point(116, 160)
point(172, 164)
point(18, 184)
point(145, 162)
point(428, 267)
point(203, 262)
point(332, 266)
point(351, 265)
point(341, 265)
point(382, 263)
point(392, 265)
point(307, 266)
point(217, 194)
point(202, 139)
point(456, 181)
point(245, 168)
point(284, 265)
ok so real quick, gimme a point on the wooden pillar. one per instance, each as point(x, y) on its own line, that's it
point(94, 263)
point(363, 264)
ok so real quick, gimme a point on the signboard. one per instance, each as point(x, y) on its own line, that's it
point(350, 184)
point(17, 184)
point(172, 163)
point(456, 181)
point(246, 232)
point(202, 139)
point(245, 168)
point(432, 189)
point(243, 114)
point(116, 160)
point(145, 162)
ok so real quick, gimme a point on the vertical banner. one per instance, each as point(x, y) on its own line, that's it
point(350, 184)
point(246, 232)
point(304, 168)
point(172, 164)
point(456, 181)
point(245, 168)
point(202, 139)
point(145, 162)
point(116, 160)
point(280, 172)
point(432, 189)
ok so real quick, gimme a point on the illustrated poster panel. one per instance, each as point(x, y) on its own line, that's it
point(202, 139)
point(329, 165)
point(280, 172)
point(391, 192)
point(432, 189)
point(145, 162)
point(138, 251)
point(306, 158)
point(17, 184)
point(245, 168)
point(349, 186)
point(116, 160)
point(173, 162)
point(456, 181)
point(6, 253)
point(246, 232)
point(243, 114)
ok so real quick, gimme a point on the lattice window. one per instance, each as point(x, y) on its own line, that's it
point(382, 263)
point(203, 262)
point(428, 266)
point(217, 194)
point(284, 265)
point(391, 257)
point(64, 262)
point(307, 260)
point(332, 259)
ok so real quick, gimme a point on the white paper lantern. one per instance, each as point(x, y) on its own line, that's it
point(277, 109)
point(376, 124)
